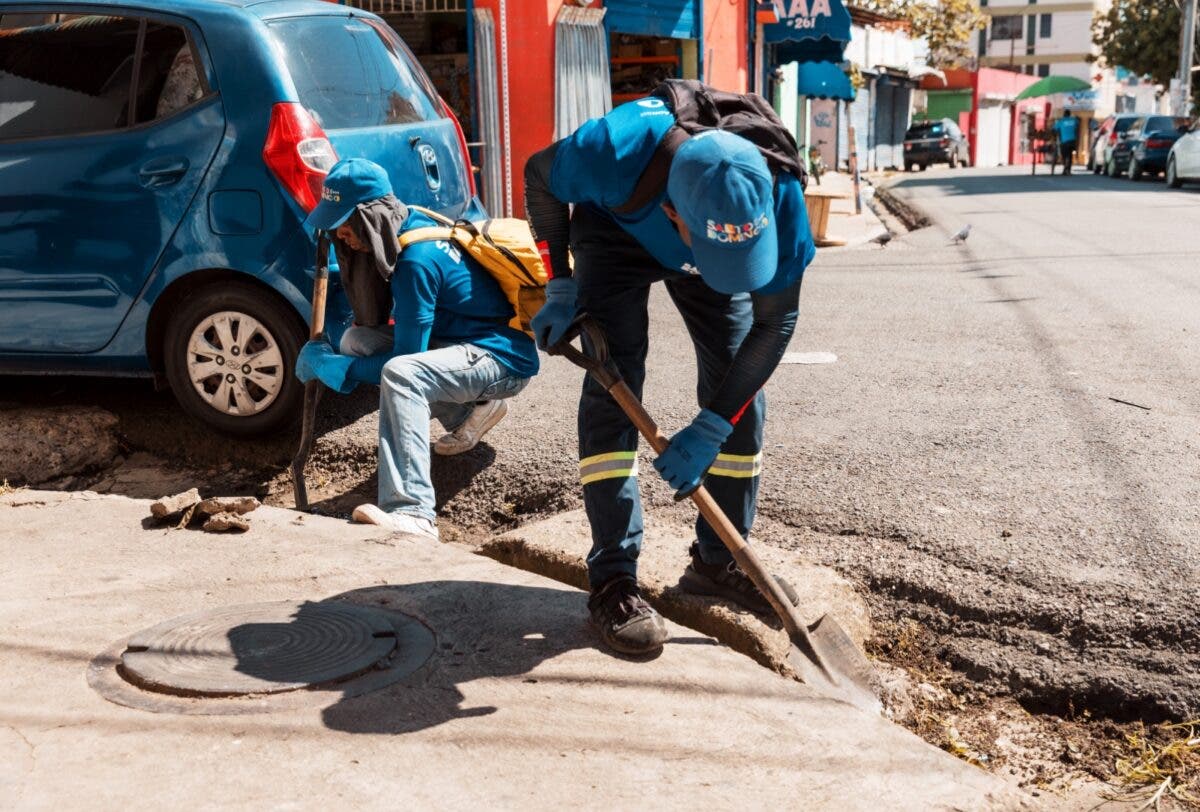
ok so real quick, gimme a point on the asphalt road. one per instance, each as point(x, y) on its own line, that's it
point(1009, 440)
point(1006, 448)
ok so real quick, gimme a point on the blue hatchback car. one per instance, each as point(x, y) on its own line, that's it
point(156, 164)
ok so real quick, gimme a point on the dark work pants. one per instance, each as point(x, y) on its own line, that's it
point(1066, 152)
point(614, 274)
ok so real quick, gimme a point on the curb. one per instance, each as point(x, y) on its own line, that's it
point(912, 217)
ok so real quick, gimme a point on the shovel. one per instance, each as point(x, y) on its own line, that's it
point(822, 655)
point(312, 389)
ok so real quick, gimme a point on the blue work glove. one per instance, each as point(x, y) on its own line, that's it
point(556, 315)
point(319, 360)
point(692, 451)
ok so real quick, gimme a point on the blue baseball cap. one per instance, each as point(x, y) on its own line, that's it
point(724, 192)
point(349, 183)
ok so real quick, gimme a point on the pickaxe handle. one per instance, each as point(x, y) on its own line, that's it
point(312, 389)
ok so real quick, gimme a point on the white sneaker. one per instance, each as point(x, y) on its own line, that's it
point(405, 523)
point(468, 435)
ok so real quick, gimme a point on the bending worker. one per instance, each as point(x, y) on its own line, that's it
point(449, 355)
point(730, 242)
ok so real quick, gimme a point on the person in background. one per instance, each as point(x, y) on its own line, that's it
point(449, 354)
point(1067, 128)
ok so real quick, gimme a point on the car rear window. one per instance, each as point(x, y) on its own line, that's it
point(1162, 124)
point(348, 75)
point(1123, 124)
point(925, 130)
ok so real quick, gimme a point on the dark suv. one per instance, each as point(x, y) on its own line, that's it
point(935, 142)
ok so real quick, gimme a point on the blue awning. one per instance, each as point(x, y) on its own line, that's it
point(823, 80)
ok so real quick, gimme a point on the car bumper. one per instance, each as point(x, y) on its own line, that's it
point(927, 156)
point(1153, 161)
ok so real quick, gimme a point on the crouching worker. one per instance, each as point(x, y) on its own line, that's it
point(450, 353)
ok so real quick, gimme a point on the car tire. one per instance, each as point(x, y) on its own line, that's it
point(1110, 168)
point(243, 401)
point(954, 160)
point(1133, 171)
point(1173, 179)
point(908, 167)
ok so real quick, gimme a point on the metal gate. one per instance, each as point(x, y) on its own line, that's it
point(487, 105)
point(891, 122)
point(654, 18)
point(860, 114)
point(582, 88)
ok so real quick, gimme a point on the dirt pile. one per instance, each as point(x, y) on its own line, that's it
point(41, 445)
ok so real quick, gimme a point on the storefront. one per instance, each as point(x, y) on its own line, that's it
point(521, 74)
point(985, 105)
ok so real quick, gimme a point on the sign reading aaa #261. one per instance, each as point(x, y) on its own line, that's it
point(810, 19)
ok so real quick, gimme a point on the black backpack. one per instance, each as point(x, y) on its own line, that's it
point(698, 108)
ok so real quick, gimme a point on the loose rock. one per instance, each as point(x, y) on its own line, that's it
point(171, 505)
point(240, 505)
point(225, 522)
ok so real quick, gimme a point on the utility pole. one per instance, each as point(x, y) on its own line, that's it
point(1187, 55)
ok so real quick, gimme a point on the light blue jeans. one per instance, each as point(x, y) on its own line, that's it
point(446, 382)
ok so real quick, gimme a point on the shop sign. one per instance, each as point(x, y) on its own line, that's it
point(1080, 100)
point(809, 19)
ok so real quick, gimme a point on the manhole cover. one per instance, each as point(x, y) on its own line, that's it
point(258, 649)
point(243, 656)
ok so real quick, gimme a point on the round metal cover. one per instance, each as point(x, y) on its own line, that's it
point(260, 649)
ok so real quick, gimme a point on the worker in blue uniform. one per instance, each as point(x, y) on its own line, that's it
point(730, 241)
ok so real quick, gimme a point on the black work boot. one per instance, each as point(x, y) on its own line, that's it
point(626, 622)
point(729, 582)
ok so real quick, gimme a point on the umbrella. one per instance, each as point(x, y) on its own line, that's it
point(1053, 84)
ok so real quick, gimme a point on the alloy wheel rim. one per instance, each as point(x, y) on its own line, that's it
point(235, 363)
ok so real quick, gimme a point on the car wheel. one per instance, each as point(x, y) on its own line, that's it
point(954, 160)
point(1134, 172)
point(908, 167)
point(1173, 179)
point(1110, 168)
point(229, 353)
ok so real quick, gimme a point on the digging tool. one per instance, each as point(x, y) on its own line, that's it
point(822, 656)
point(312, 389)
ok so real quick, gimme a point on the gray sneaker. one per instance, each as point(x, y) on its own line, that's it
point(483, 417)
point(627, 624)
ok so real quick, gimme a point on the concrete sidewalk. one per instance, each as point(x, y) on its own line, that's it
point(855, 229)
point(516, 707)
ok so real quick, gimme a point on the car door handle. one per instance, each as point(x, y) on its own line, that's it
point(162, 172)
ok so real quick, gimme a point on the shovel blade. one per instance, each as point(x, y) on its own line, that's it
point(825, 658)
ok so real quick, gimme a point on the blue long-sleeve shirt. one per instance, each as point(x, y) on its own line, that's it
point(441, 296)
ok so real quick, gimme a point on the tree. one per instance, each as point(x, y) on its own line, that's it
point(1141, 36)
point(946, 25)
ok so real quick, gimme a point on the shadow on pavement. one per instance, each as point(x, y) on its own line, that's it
point(483, 631)
point(1012, 183)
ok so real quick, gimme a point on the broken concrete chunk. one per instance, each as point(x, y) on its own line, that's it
point(225, 522)
point(227, 504)
point(170, 505)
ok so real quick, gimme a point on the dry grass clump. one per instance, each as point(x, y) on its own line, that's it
point(1159, 763)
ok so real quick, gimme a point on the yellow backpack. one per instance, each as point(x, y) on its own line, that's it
point(505, 247)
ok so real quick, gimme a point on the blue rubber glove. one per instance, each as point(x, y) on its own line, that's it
point(692, 451)
point(556, 315)
point(318, 360)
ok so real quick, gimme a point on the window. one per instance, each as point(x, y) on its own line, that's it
point(1045, 25)
point(169, 77)
point(349, 75)
point(1008, 26)
point(1043, 70)
point(65, 74)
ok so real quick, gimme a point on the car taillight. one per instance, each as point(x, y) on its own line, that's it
point(1112, 137)
point(1157, 143)
point(298, 153)
point(945, 142)
point(462, 145)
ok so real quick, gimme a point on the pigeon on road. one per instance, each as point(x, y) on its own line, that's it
point(962, 235)
point(882, 239)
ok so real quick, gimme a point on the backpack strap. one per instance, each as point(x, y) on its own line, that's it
point(654, 177)
point(427, 234)
point(432, 215)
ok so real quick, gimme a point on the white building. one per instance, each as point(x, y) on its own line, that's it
point(1041, 38)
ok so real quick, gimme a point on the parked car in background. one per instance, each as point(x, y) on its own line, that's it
point(1183, 164)
point(156, 165)
point(1150, 140)
point(1109, 153)
point(935, 142)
